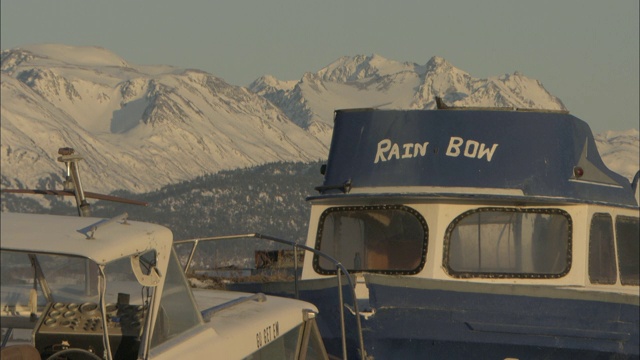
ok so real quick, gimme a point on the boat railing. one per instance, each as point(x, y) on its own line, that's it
point(340, 271)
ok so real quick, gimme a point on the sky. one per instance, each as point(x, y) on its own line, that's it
point(585, 52)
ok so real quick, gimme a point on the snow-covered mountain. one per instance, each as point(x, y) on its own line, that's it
point(142, 127)
point(620, 151)
point(373, 81)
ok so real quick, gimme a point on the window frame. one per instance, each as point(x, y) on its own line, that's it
point(506, 275)
point(425, 241)
point(623, 277)
point(612, 249)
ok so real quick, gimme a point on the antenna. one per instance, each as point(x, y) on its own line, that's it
point(73, 185)
point(72, 181)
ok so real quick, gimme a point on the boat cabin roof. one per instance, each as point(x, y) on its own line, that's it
point(530, 155)
point(78, 236)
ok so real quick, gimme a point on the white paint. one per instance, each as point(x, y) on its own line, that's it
point(388, 150)
point(472, 149)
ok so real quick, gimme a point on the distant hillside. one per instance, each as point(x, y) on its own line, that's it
point(268, 199)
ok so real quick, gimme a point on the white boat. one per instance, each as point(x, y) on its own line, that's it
point(474, 233)
point(113, 289)
point(95, 288)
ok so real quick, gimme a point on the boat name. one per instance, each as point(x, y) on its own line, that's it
point(472, 148)
point(267, 334)
point(388, 150)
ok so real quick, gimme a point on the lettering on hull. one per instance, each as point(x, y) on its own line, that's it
point(388, 150)
point(472, 149)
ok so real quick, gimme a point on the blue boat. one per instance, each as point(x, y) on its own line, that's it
point(477, 233)
point(472, 234)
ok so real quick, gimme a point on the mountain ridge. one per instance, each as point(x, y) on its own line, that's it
point(142, 127)
point(367, 81)
point(147, 128)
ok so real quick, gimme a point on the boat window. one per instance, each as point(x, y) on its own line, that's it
point(70, 276)
point(382, 239)
point(602, 262)
point(178, 312)
point(627, 235)
point(315, 346)
point(63, 292)
point(21, 296)
point(509, 243)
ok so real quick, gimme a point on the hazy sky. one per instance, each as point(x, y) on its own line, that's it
point(583, 51)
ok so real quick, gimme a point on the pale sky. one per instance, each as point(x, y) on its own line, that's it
point(583, 51)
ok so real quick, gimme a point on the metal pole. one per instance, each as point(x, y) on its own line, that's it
point(81, 200)
point(6, 337)
point(295, 269)
point(341, 305)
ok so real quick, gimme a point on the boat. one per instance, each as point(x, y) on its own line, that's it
point(112, 288)
point(473, 233)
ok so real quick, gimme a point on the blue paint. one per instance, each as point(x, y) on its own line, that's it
point(535, 152)
point(444, 324)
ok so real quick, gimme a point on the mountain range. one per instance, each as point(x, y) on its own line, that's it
point(143, 127)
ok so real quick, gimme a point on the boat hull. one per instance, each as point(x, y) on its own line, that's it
point(417, 318)
point(498, 320)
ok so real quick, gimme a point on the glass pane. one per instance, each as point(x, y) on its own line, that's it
point(374, 238)
point(178, 311)
point(70, 278)
point(17, 291)
point(509, 242)
point(602, 262)
point(183, 251)
point(315, 350)
point(627, 237)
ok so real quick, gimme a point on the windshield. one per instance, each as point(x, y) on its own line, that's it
point(56, 297)
point(68, 278)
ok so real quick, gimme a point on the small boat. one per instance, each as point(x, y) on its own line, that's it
point(474, 234)
point(480, 233)
point(112, 288)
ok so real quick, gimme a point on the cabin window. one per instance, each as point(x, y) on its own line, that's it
point(381, 239)
point(509, 243)
point(627, 235)
point(602, 262)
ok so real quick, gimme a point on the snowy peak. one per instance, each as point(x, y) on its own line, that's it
point(441, 79)
point(58, 54)
point(619, 150)
point(373, 81)
point(351, 69)
point(438, 65)
point(268, 83)
point(142, 127)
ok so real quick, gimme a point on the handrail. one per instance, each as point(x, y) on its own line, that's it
point(340, 269)
point(207, 314)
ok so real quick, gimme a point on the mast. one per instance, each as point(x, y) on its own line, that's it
point(72, 182)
